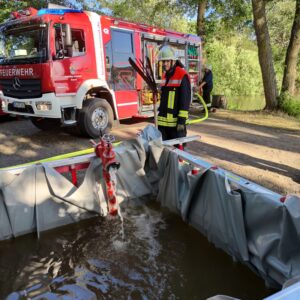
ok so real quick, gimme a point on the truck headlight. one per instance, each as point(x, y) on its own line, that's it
point(43, 105)
point(2, 104)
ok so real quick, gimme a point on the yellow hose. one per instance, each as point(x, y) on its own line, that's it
point(205, 110)
point(58, 157)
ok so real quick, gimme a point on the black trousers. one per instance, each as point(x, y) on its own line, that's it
point(206, 95)
point(169, 133)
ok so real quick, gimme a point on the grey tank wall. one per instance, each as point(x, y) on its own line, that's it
point(40, 198)
point(252, 227)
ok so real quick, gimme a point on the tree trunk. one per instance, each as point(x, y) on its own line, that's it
point(200, 18)
point(265, 53)
point(291, 59)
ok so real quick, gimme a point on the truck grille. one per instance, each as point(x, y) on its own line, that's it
point(21, 88)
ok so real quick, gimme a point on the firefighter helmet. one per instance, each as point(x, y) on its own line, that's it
point(166, 53)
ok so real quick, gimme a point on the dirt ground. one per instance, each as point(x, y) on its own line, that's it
point(261, 147)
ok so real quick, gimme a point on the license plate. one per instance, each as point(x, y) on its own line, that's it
point(148, 107)
point(19, 105)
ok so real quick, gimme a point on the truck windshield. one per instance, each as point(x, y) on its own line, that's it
point(22, 45)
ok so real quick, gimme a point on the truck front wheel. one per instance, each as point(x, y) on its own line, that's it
point(45, 123)
point(96, 116)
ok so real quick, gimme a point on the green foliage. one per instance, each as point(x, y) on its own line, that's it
point(165, 14)
point(290, 105)
point(235, 14)
point(236, 70)
point(280, 16)
point(221, 17)
point(7, 7)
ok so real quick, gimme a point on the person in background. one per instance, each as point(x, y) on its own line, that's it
point(206, 85)
point(175, 96)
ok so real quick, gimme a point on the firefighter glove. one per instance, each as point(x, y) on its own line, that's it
point(180, 127)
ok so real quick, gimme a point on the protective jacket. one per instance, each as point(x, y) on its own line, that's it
point(208, 78)
point(175, 98)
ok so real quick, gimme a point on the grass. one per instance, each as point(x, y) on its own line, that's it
point(290, 105)
point(272, 119)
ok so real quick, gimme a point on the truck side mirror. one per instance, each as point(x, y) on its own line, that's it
point(68, 39)
point(68, 35)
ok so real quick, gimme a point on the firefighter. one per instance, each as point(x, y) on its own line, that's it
point(206, 85)
point(175, 96)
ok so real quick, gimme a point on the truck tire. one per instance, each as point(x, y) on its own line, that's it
point(96, 116)
point(45, 123)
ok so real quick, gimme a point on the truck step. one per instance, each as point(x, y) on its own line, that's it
point(68, 116)
point(69, 123)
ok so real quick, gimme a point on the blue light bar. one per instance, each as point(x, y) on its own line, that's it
point(57, 11)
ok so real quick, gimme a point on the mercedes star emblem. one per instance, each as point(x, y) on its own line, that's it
point(16, 83)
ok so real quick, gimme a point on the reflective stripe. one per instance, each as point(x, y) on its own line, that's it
point(174, 81)
point(171, 98)
point(165, 124)
point(166, 119)
point(183, 114)
point(127, 103)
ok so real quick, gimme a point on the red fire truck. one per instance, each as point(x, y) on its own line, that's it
point(70, 67)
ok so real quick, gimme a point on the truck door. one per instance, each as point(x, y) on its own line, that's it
point(122, 76)
point(73, 65)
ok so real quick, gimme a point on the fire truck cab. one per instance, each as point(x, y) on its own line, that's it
point(70, 67)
